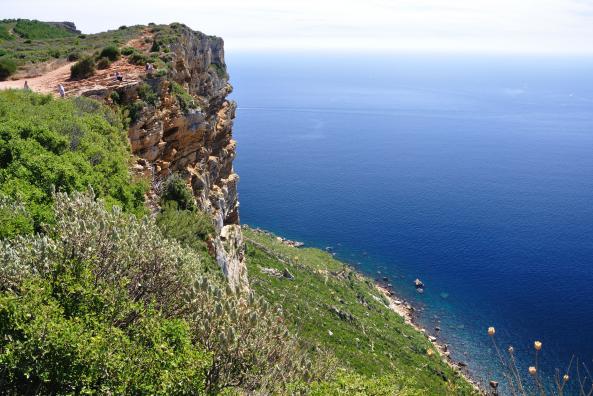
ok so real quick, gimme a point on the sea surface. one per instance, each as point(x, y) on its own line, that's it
point(472, 173)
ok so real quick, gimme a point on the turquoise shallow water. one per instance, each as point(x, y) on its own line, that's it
point(474, 174)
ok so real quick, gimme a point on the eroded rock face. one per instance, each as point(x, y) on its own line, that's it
point(196, 143)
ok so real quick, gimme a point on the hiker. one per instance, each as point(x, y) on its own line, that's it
point(119, 76)
point(61, 90)
point(26, 87)
point(149, 68)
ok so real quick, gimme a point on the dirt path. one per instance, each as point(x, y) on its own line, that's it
point(48, 82)
point(45, 83)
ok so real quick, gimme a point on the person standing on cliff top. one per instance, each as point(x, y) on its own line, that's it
point(61, 90)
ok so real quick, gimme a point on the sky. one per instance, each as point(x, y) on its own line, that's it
point(488, 26)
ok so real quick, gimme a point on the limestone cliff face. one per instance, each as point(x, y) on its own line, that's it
point(195, 143)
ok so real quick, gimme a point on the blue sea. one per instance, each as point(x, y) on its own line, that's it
point(472, 173)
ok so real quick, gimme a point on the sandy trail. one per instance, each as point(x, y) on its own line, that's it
point(45, 83)
point(48, 82)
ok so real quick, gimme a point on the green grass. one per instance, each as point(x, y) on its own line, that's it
point(36, 30)
point(369, 340)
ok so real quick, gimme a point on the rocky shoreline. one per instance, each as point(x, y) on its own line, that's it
point(280, 239)
point(398, 305)
point(407, 311)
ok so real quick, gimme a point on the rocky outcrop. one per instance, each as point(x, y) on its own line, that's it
point(68, 26)
point(195, 142)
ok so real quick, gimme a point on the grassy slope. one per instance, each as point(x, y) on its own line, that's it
point(377, 342)
point(40, 42)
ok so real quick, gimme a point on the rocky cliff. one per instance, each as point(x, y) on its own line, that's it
point(187, 130)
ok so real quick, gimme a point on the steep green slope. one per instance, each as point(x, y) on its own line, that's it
point(330, 305)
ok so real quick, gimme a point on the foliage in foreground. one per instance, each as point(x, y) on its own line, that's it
point(66, 145)
point(118, 296)
point(334, 308)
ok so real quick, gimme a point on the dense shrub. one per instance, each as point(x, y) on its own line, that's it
point(137, 58)
point(128, 51)
point(176, 190)
point(147, 94)
point(75, 328)
point(110, 287)
point(5, 33)
point(14, 219)
point(84, 68)
point(103, 63)
point(191, 229)
point(63, 144)
point(73, 56)
point(111, 52)
point(185, 100)
point(7, 68)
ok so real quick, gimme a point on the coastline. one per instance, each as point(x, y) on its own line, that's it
point(400, 306)
point(404, 309)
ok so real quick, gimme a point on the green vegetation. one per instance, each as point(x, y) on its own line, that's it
point(84, 68)
point(36, 30)
point(176, 190)
point(185, 100)
point(333, 307)
point(35, 42)
point(97, 297)
point(103, 303)
point(67, 145)
point(111, 52)
point(103, 63)
point(7, 68)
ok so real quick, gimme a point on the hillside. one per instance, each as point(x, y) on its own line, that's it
point(123, 265)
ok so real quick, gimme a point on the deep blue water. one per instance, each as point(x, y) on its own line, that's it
point(474, 174)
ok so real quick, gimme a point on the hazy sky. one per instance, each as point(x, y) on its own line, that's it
point(534, 26)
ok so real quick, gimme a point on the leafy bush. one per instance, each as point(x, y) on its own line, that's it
point(103, 63)
point(137, 58)
point(73, 332)
point(155, 46)
point(14, 219)
point(111, 52)
point(147, 94)
point(63, 144)
point(73, 56)
point(7, 68)
point(190, 228)
point(134, 110)
point(96, 278)
point(176, 190)
point(84, 68)
point(128, 51)
point(185, 100)
point(5, 33)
